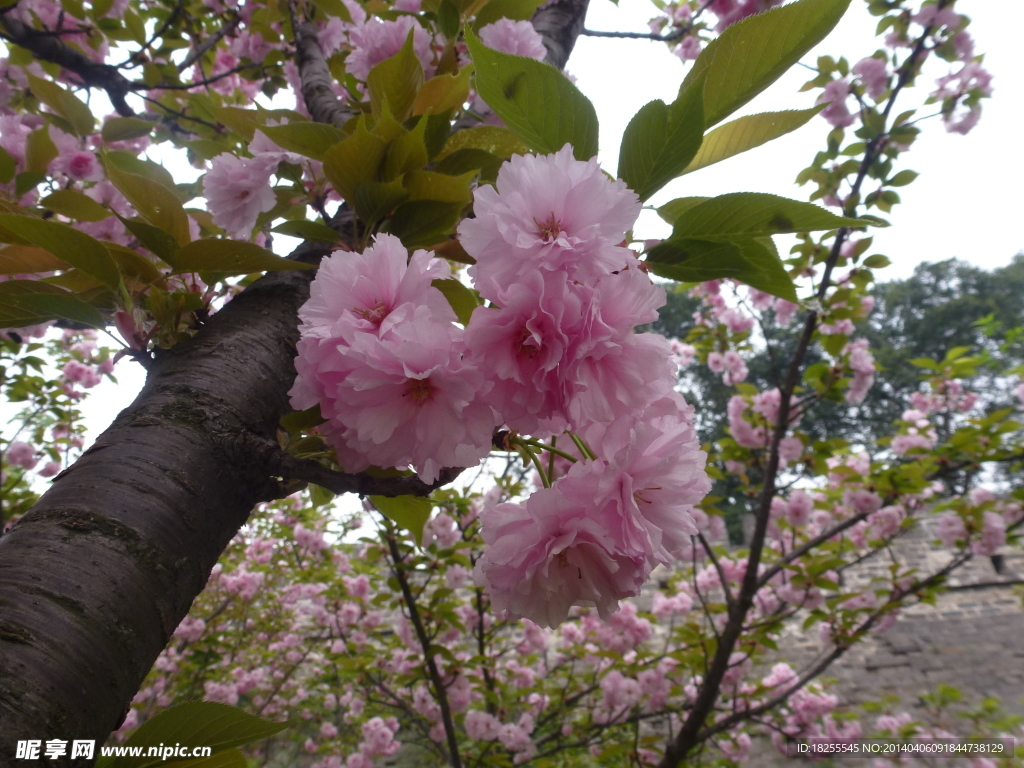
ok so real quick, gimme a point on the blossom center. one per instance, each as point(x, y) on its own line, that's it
point(528, 344)
point(549, 230)
point(638, 496)
point(419, 390)
point(374, 314)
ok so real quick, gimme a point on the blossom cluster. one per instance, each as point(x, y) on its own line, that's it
point(554, 351)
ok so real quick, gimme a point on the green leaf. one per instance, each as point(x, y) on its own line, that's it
point(25, 259)
point(232, 257)
point(244, 122)
point(198, 724)
point(134, 266)
point(300, 421)
point(462, 299)
point(673, 209)
point(902, 178)
point(122, 128)
point(518, 10)
point(67, 244)
point(876, 261)
point(396, 82)
point(448, 19)
point(747, 260)
point(7, 166)
point(304, 138)
point(64, 103)
point(755, 214)
point(428, 185)
point(444, 92)
point(409, 512)
point(30, 302)
point(75, 205)
point(153, 200)
point(746, 133)
point(535, 100)
point(374, 200)
point(660, 141)
point(140, 166)
point(353, 160)
point(752, 54)
point(500, 142)
point(406, 153)
point(307, 230)
point(467, 160)
point(39, 151)
point(155, 239)
point(423, 222)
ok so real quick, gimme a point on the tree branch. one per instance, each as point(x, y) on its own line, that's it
point(317, 82)
point(50, 48)
point(421, 633)
point(291, 468)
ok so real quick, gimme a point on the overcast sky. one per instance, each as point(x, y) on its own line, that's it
point(966, 203)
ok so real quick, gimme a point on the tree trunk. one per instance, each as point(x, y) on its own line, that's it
point(95, 578)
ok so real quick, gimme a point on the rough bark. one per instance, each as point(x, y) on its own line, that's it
point(560, 22)
point(95, 578)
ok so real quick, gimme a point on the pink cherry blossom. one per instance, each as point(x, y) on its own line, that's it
point(874, 74)
point(377, 40)
point(407, 399)
point(836, 113)
point(516, 37)
point(21, 454)
point(549, 554)
point(548, 212)
point(238, 190)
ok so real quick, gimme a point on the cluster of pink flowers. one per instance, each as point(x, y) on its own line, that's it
point(400, 384)
point(381, 354)
point(561, 354)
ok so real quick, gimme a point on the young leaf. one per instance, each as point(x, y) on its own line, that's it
point(232, 257)
point(428, 185)
point(535, 100)
point(660, 141)
point(304, 138)
point(198, 724)
point(373, 200)
point(500, 142)
point(396, 82)
point(420, 223)
point(745, 259)
point(69, 245)
point(444, 92)
point(746, 133)
point(409, 512)
point(752, 54)
point(353, 160)
point(754, 214)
